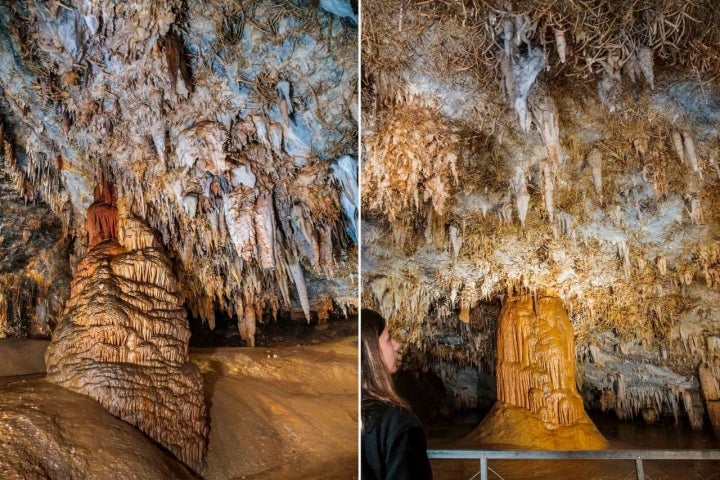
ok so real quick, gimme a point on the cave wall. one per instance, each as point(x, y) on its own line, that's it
point(521, 147)
point(229, 127)
point(34, 270)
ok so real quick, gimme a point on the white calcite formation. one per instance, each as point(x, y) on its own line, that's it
point(123, 337)
point(635, 383)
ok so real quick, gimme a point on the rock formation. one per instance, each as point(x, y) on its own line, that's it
point(590, 169)
point(123, 337)
point(538, 403)
point(49, 432)
point(709, 374)
point(34, 270)
point(225, 125)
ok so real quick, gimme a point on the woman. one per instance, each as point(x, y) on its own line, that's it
point(393, 442)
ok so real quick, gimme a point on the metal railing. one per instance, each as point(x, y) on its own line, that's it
point(637, 455)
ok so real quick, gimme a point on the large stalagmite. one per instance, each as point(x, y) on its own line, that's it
point(538, 403)
point(123, 338)
point(709, 375)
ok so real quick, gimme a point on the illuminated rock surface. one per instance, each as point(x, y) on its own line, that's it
point(538, 404)
point(514, 147)
point(49, 432)
point(123, 338)
point(298, 404)
point(230, 128)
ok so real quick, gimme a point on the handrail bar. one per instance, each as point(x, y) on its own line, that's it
point(577, 454)
point(637, 455)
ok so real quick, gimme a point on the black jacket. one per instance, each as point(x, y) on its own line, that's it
point(393, 444)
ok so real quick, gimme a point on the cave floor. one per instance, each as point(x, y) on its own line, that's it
point(49, 432)
point(282, 412)
point(276, 412)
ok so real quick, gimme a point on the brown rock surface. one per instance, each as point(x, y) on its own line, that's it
point(538, 403)
point(709, 375)
point(297, 403)
point(48, 432)
point(22, 356)
point(123, 339)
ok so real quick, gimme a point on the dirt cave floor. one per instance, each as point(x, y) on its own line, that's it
point(280, 412)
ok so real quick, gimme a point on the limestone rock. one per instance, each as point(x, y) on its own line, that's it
point(709, 375)
point(49, 432)
point(538, 403)
point(123, 338)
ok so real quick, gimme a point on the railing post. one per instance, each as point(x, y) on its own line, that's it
point(639, 469)
point(483, 468)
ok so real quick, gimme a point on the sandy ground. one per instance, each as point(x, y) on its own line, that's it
point(275, 413)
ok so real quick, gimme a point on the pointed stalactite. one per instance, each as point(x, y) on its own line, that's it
point(456, 241)
point(595, 161)
point(690, 153)
point(299, 279)
point(678, 145)
point(522, 197)
point(545, 114)
point(264, 223)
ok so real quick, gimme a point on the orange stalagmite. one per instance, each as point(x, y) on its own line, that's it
point(538, 405)
point(123, 337)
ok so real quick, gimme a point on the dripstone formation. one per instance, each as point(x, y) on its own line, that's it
point(538, 403)
point(123, 337)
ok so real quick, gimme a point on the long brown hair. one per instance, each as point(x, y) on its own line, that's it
point(377, 385)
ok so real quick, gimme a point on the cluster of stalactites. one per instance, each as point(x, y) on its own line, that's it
point(239, 197)
point(274, 239)
point(411, 164)
point(651, 401)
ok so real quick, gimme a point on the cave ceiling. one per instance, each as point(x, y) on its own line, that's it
point(229, 128)
point(566, 148)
